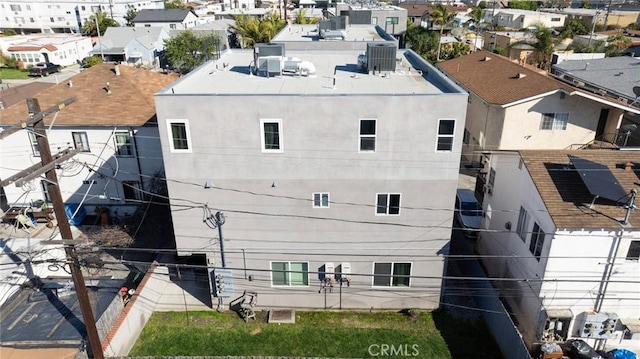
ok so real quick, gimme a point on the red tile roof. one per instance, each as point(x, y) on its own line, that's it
point(130, 102)
point(18, 48)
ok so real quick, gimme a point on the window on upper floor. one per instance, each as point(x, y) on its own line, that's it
point(124, 144)
point(271, 135)
point(289, 273)
point(95, 9)
point(179, 135)
point(367, 135)
point(446, 130)
point(172, 26)
point(15, 8)
point(33, 141)
point(521, 228)
point(634, 251)
point(392, 274)
point(321, 200)
point(374, 20)
point(392, 20)
point(537, 241)
point(388, 204)
point(80, 140)
point(554, 121)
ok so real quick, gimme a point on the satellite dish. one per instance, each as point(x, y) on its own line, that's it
point(630, 127)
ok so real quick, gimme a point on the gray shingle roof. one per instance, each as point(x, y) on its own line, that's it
point(618, 74)
point(161, 15)
point(122, 36)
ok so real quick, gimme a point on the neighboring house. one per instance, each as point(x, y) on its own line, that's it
point(598, 17)
point(515, 19)
point(327, 192)
point(392, 19)
point(503, 40)
point(170, 19)
point(562, 226)
point(50, 16)
point(513, 107)
point(307, 37)
point(222, 28)
point(610, 79)
point(417, 12)
point(133, 45)
point(63, 49)
point(113, 121)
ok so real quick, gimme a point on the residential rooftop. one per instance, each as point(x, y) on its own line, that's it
point(615, 74)
point(336, 74)
point(567, 198)
point(309, 32)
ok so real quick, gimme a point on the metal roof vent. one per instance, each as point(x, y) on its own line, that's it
point(486, 58)
point(520, 75)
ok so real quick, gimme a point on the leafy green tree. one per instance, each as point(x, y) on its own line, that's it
point(476, 15)
point(187, 50)
point(9, 32)
point(8, 61)
point(585, 4)
point(423, 42)
point(301, 18)
point(129, 16)
point(523, 5)
point(91, 61)
point(174, 4)
point(633, 26)
point(455, 49)
point(441, 16)
point(616, 44)
point(104, 21)
point(500, 50)
point(253, 31)
point(573, 28)
point(544, 46)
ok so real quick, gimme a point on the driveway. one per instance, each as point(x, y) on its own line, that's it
point(61, 76)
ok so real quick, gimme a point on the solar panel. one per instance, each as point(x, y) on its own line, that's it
point(599, 179)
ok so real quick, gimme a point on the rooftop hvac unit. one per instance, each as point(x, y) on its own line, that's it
point(265, 57)
point(381, 57)
point(338, 22)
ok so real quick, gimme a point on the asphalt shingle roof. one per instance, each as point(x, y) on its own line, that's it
point(567, 198)
point(130, 102)
point(496, 80)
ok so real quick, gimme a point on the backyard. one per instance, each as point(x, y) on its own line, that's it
point(316, 334)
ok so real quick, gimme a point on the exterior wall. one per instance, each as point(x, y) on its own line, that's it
point(484, 123)
point(523, 20)
point(190, 21)
point(68, 53)
point(504, 40)
point(267, 197)
point(67, 16)
point(510, 255)
point(73, 175)
point(522, 123)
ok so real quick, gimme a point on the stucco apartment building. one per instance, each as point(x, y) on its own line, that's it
point(327, 196)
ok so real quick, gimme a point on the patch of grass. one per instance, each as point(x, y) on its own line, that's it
point(13, 74)
point(315, 334)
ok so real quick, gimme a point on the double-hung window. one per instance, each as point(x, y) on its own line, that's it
point(387, 204)
point(271, 135)
point(391, 274)
point(321, 200)
point(367, 135)
point(554, 121)
point(446, 131)
point(537, 241)
point(80, 141)
point(132, 190)
point(289, 273)
point(179, 135)
point(124, 144)
point(521, 229)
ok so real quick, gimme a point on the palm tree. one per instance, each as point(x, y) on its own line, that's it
point(476, 15)
point(544, 45)
point(103, 21)
point(254, 31)
point(441, 16)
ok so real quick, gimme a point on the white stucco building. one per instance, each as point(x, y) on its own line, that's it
point(61, 49)
point(50, 16)
point(318, 171)
point(550, 225)
point(516, 19)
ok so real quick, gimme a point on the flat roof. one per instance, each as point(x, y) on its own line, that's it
point(309, 32)
point(230, 75)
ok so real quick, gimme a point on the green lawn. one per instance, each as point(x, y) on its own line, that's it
point(13, 74)
point(315, 334)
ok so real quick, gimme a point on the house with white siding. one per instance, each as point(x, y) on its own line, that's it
point(303, 178)
point(111, 123)
point(170, 19)
point(564, 227)
point(61, 49)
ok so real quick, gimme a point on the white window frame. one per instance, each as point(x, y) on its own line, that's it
point(387, 205)
point(391, 275)
point(172, 148)
point(536, 246)
point(84, 140)
point(452, 136)
point(374, 136)
point(320, 195)
point(288, 271)
point(136, 187)
point(264, 121)
point(115, 142)
point(552, 122)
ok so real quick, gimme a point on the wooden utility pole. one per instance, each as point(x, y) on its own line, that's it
point(65, 231)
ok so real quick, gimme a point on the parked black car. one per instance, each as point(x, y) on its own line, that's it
point(44, 69)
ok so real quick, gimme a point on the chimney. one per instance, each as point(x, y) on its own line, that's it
point(628, 167)
point(117, 70)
